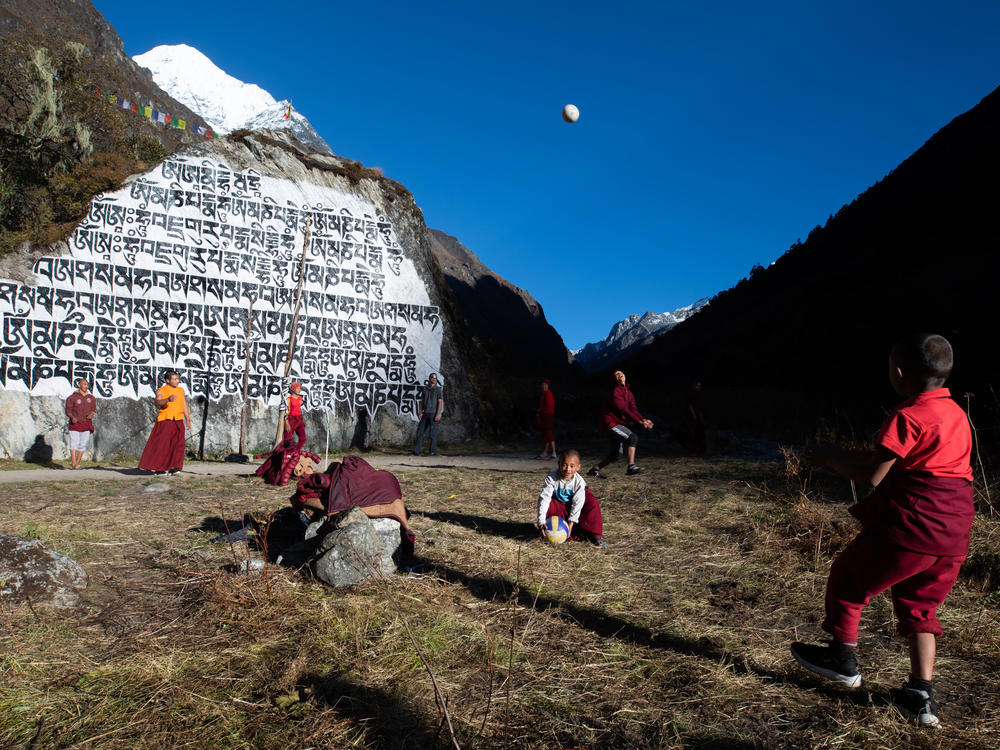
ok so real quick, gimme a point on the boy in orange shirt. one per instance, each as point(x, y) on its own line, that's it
point(164, 451)
point(914, 526)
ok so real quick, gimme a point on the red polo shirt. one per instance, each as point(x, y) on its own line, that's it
point(925, 503)
point(930, 433)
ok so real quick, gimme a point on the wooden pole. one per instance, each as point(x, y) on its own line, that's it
point(246, 384)
point(291, 339)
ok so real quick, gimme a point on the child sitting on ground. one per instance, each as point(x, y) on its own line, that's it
point(566, 494)
point(914, 525)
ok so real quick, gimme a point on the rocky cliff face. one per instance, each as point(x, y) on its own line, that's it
point(495, 309)
point(161, 274)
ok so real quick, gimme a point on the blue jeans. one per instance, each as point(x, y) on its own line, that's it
point(426, 422)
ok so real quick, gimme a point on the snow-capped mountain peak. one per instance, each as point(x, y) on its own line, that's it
point(630, 334)
point(227, 103)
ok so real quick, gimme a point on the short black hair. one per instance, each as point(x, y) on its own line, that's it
point(169, 374)
point(925, 357)
point(567, 454)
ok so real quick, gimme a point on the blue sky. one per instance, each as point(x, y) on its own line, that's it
point(712, 135)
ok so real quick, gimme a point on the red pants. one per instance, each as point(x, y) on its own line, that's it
point(869, 565)
point(165, 448)
point(590, 521)
point(298, 426)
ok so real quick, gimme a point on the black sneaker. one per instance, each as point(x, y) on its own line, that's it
point(633, 469)
point(595, 472)
point(173, 472)
point(837, 664)
point(916, 705)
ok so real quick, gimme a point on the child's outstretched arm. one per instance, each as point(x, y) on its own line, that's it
point(867, 467)
point(544, 498)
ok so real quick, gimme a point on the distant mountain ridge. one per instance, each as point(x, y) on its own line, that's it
point(629, 335)
point(224, 101)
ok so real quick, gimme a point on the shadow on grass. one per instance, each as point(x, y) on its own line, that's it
point(219, 525)
point(516, 530)
point(607, 625)
point(393, 724)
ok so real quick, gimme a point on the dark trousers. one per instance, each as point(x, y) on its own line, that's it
point(296, 426)
point(868, 566)
point(426, 422)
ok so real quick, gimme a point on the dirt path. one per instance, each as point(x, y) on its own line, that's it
point(401, 462)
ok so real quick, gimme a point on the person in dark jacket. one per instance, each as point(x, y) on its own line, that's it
point(618, 408)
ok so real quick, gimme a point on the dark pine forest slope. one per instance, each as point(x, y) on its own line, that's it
point(803, 344)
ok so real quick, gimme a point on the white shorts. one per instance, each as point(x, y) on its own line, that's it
point(78, 440)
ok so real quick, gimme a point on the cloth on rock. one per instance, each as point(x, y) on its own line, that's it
point(279, 465)
point(354, 483)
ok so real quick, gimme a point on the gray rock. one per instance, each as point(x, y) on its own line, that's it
point(29, 572)
point(352, 552)
point(313, 528)
point(388, 535)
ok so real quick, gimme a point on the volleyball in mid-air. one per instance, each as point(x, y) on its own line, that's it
point(556, 530)
point(571, 113)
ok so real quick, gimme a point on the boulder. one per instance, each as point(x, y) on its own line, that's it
point(387, 530)
point(353, 552)
point(31, 573)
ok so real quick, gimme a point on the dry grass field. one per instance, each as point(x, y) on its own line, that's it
point(676, 636)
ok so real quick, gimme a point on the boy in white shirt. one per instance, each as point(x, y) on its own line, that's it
point(566, 494)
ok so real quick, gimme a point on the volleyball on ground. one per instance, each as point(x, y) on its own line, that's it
point(571, 113)
point(556, 530)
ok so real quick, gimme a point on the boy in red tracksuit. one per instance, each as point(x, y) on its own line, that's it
point(545, 420)
point(293, 421)
point(914, 526)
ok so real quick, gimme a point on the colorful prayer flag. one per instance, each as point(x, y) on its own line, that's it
point(180, 124)
point(135, 107)
point(288, 111)
point(198, 130)
point(147, 112)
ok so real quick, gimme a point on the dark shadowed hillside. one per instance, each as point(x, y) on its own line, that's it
point(508, 327)
point(806, 340)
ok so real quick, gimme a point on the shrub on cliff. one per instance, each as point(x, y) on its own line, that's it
point(60, 142)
